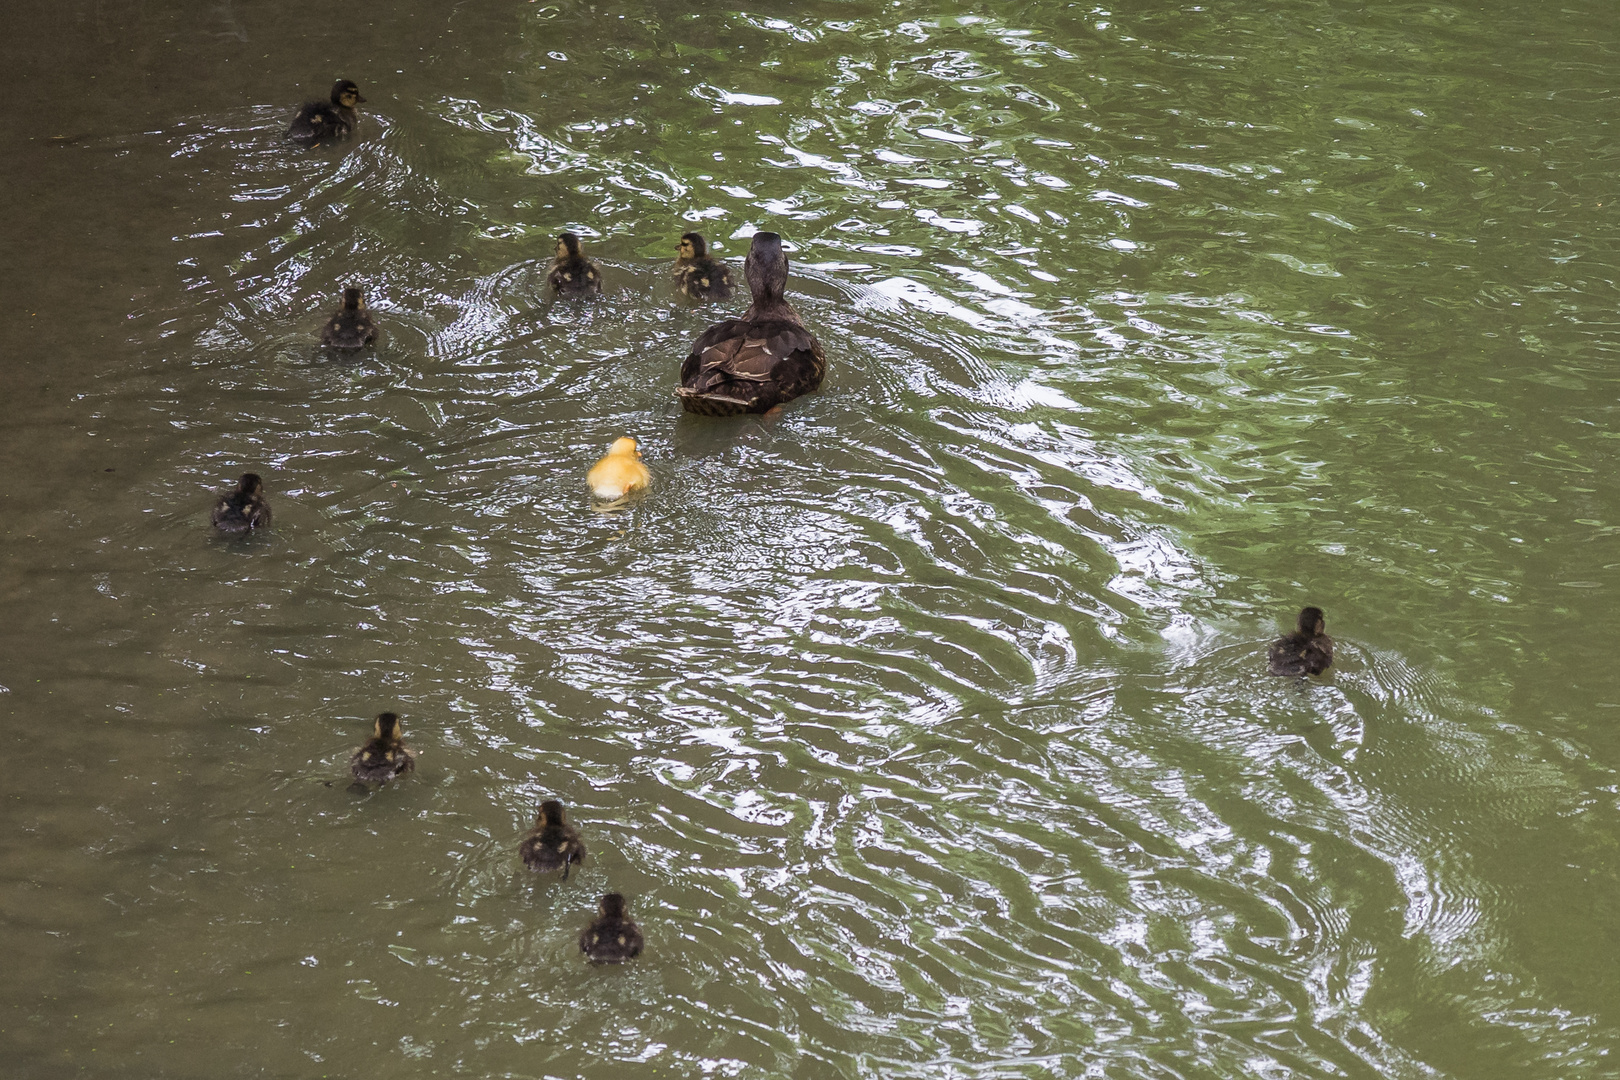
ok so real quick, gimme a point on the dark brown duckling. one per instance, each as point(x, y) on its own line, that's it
point(350, 327)
point(328, 121)
point(757, 362)
point(697, 275)
point(572, 274)
point(385, 756)
point(612, 937)
point(1307, 651)
point(244, 509)
point(552, 844)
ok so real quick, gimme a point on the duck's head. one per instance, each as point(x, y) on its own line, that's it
point(568, 246)
point(766, 267)
point(352, 300)
point(550, 813)
point(346, 94)
point(612, 906)
point(1312, 622)
point(625, 447)
point(250, 484)
point(693, 246)
point(387, 727)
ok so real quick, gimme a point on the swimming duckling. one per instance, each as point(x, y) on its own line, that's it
point(328, 121)
point(552, 843)
point(350, 327)
point(572, 274)
point(619, 473)
point(612, 937)
point(699, 276)
point(757, 362)
point(1307, 651)
point(244, 509)
point(385, 756)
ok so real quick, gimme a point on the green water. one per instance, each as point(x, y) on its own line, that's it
point(924, 725)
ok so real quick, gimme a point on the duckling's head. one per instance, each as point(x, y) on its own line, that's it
point(352, 300)
point(551, 813)
point(625, 447)
point(346, 94)
point(250, 484)
point(693, 246)
point(1311, 621)
point(612, 906)
point(568, 246)
point(766, 267)
point(387, 727)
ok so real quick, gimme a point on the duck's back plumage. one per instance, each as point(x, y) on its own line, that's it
point(704, 279)
point(379, 761)
point(240, 512)
point(610, 940)
point(1300, 654)
point(349, 329)
point(576, 276)
point(552, 847)
point(750, 366)
point(321, 121)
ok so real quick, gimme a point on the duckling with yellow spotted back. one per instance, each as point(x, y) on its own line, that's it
point(328, 121)
point(572, 274)
point(243, 510)
point(552, 844)
point(385, 756)
point(350, 327)
point(699, 276)
point(612, 937)
point(758, 362)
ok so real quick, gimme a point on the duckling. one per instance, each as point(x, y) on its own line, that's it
point(619, 473)
point(572, 274)
point(699, 276)
point(244, 509)
point(350, 327)
point(612, 937)
point(552, 842)
point(385, 756)
point(1307, 651)
point(328, 121)
point(755, 363)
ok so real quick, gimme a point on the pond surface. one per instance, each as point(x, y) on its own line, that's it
point(925, 725)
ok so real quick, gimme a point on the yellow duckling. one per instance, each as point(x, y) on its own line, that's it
point(619, 473)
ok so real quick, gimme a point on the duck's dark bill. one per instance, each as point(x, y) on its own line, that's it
point(711, 404)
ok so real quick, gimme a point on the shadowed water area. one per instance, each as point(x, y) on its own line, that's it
point(926, 724)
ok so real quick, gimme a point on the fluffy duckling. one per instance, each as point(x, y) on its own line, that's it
point(243, 510)
point(552, 843)
point(697, 275)
point(619, 473)
point(385, 756)
point(328, 121)
point(350, 327)
point(1307, 651)
point(612, 937)
point(572, 274)
point(757, 362)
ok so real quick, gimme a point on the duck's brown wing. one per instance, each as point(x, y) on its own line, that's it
point(1300, 655)
point(750, 367)
point(575, 277)
point(314, 121)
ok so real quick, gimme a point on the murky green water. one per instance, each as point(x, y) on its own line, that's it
point(924, 725)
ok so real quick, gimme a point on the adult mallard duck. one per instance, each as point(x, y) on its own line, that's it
point(1307, 651)
point(612, 937)
point(239, 512)
point(385, 756)
point(757, 362)
point(350, 327)
point(328, 121)
point(619, 473)
point(552, 844)
point(572, 274)
point(697, 275)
